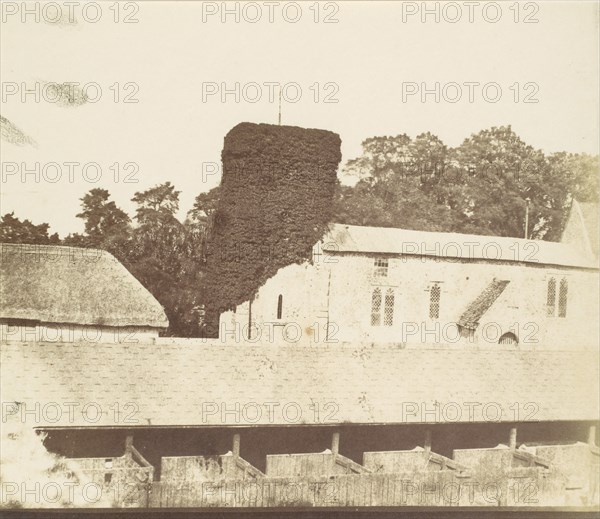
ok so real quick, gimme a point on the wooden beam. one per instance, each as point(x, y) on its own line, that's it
point(236, 445)
point(133, 453)
point(137, 456)
point(427, 443)
point(532, 459)
point(592, 436)
point(128, 444)
point(351, 466)
point(335, 443)
point(512, 441)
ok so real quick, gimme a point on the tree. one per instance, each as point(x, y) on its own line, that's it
point(430, 157)
point(204, 207)
point(157, 205)
point(567, 176)
point(382, 158)
point(397, 185)
point(105, 224)
point(500, 172)
point(481, 187)
point(165, 255)
point(13, 230)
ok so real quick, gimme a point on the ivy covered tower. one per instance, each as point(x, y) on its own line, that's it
point(277, 194)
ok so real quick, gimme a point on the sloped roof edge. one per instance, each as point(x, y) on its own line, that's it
point(390, 240)
point(73, 285)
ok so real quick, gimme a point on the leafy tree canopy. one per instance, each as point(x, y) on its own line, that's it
point(482, 186)
point(13, 230)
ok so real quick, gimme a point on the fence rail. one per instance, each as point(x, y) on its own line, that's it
point(528, 486)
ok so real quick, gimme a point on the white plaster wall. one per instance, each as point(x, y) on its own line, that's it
point(304, 308)
point(339, 293)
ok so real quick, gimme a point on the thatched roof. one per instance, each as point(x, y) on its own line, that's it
point(70, 285)
point(193, 382)
point(470, 317)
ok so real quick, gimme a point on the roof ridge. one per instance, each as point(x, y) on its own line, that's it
point(450, 233)
point(29, 248)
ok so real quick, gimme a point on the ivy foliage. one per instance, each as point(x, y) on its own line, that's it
point(276, 200)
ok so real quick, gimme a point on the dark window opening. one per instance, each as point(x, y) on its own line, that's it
point(388, 312)
point(562, 298)
point(435, 295)
point(508, 338)
point(551, 297)
point(376, 308)
point(381, 267)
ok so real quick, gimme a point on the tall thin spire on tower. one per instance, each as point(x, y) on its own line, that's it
point(279, 120)
point(527, 200)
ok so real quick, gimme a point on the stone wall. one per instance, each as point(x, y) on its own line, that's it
point(331, 302)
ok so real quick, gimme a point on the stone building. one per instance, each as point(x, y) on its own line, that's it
point(372, 284)
point(390, 356)
point(69, 294)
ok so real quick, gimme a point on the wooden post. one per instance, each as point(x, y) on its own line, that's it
point(335, 443)
point(427, 441)
point(236, 445)
point(512, 441)
point(128, 445)
point(592, 436)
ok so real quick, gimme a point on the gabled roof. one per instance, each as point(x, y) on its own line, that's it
point(470, 317)
point(70, 285)
point(200, 384)
point(589, 216)
point(389, 240)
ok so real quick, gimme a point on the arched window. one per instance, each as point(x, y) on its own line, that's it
point(376, 308)
point(435, 295)
point(562, 298)
point(554, 300)
point(279, 306)
point(551, 297)
point(388, 311)
point(508, 338)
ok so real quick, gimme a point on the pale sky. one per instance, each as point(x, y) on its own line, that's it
point(373, 52)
